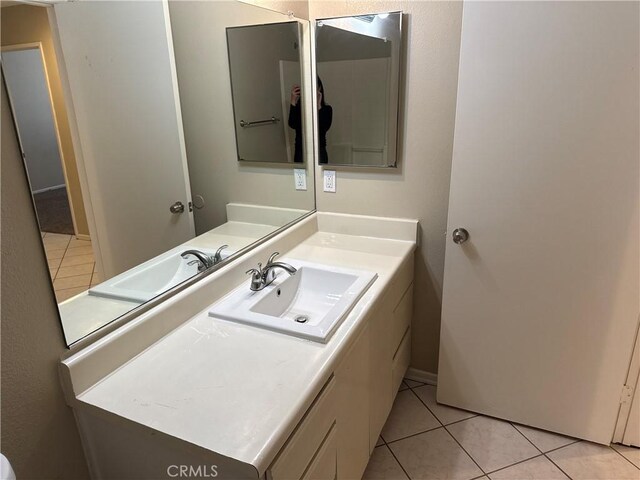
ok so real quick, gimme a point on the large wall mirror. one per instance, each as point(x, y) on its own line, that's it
point(125, 113)
point(358, 67)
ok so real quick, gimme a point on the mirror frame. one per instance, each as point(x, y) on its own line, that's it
point(393, 131)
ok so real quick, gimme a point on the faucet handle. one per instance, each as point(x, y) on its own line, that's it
point(217, 257)
point(255, 270)
point(273, 255)
point(256, 278)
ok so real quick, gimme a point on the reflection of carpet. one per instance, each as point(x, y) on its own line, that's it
point(53, 210)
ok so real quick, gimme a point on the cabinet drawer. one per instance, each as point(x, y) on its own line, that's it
point(298, 452)
point(400, 282)
point(401, 318)
point(324, 465)
point(401, 360)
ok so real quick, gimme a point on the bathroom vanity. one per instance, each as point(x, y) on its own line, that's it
point(180, 389)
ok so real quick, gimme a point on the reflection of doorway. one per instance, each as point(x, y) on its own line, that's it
point(27, 84)
point(289, 76)
point(53, 210)
point(26, 81)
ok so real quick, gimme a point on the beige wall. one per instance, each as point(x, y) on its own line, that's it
point(300, 8)
point(39, 435)
point(419, 188)
point(27, 24)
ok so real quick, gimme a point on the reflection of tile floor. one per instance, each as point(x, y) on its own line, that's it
point(71, 264)
point(424, 440)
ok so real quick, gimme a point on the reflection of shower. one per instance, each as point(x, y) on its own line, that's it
point(258, 52)
point(257, 123)
point(358, 59)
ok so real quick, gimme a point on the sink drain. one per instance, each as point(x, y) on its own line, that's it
point(301, 319)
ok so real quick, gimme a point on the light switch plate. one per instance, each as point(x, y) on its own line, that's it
point(300, 178)
point(330, 181)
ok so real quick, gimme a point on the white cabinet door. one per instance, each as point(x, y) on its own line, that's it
point(352, 398)
point(121, 72)
point(540, 305)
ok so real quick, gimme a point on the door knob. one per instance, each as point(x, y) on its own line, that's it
point(460, 235)
point(198, 202)
point(177, 207)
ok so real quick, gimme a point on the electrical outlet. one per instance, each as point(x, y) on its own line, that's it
point(330, 181)
point(300, 178)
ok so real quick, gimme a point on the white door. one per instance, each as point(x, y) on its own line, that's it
point(628, 425)
point(121, 72)
point(632, 431)
point(540, 304)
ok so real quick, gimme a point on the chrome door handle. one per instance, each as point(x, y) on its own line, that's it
point(460, 235)
point(177, 207)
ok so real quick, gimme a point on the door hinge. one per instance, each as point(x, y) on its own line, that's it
point(627, 394)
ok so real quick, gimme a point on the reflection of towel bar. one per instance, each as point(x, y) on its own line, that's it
point(259, 122)
point(367, 149)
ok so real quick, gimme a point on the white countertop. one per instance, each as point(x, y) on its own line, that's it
point(239, 390)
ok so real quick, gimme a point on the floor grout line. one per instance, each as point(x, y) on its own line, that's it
point(558, 466)
point(544, 454)
point(465, 450)
point(413, 435)
point(61, 259)
point(398, 461)
point(460, 421)
point(514, 464)
point(623, 457)
point(525, 437)
point(473, 414)
point(64, 255)
point(450, 434)
point(541, 454)
point(563, 446)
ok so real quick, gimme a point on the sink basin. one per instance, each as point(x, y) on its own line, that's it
point(151, 278)
point(310, 304)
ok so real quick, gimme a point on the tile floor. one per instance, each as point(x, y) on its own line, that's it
point(71, 264)
point(424, 440)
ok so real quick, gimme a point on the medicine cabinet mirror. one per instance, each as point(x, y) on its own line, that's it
point(264, 62)
point(125, 117)
point(358, 72)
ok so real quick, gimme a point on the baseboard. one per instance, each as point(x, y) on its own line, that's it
point(82, 236)
point(422, 376)
point(55, 187)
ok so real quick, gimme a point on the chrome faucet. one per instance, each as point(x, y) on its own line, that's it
point(261, 277)
point(203, 260)
point(217, 257)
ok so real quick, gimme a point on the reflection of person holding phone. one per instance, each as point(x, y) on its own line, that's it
point(325, 116)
